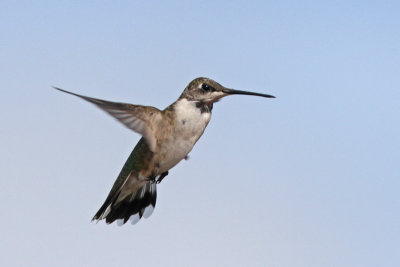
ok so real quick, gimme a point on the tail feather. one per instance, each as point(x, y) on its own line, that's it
point(146, 198)
point(139, 204)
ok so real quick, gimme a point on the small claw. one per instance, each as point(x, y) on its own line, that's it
point(162, 176)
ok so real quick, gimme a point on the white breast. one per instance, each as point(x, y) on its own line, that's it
point(189, 126)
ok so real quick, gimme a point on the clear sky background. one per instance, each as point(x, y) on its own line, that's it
point(310, 178)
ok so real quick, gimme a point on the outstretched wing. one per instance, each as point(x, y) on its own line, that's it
point(137, 118)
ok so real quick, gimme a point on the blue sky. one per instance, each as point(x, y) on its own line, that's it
point(310, 178)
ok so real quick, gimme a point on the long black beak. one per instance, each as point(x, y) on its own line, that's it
point(238, 92)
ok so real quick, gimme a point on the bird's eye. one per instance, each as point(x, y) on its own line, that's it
point(207, 88)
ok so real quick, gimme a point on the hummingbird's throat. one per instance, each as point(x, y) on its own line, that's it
point(204, 106)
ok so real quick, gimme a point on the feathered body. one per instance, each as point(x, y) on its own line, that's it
point(178, 129)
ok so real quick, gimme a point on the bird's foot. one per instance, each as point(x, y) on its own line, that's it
point(162, 176)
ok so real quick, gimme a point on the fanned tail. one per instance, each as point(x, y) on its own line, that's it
point(123, 206)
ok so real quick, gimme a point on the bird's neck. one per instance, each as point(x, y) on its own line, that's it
point(184, 103)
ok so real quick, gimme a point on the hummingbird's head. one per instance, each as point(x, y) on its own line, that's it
point(209, 91)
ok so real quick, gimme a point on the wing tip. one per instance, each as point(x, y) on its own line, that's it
point(65, 91)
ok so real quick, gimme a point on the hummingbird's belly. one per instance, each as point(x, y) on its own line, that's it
point(190, 123)
point(174, 153)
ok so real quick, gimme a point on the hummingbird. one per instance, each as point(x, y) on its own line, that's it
point(167, 138)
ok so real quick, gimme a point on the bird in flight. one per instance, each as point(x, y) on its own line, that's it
point(167, 137)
